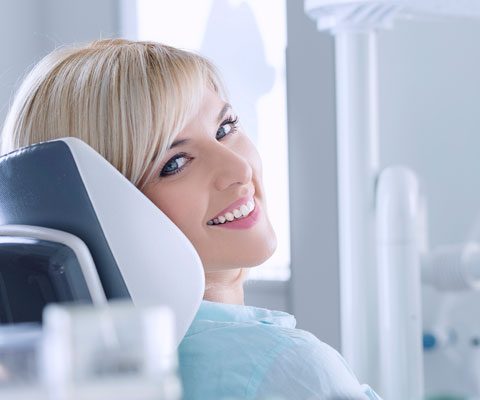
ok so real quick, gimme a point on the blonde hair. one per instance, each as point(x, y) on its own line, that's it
point(126, 99)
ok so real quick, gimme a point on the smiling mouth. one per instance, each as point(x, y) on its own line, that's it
point(242, 211)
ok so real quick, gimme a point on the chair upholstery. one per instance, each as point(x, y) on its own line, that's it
point(138, 252)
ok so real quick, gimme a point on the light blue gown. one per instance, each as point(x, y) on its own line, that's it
point(241, 352)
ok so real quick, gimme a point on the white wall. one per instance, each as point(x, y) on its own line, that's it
point(430, 116)
point(20, 44)
point(29, 29)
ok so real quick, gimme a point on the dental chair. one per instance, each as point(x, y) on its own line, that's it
point(73, 229)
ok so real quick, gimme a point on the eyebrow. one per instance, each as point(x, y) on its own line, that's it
point(221, 114)
point(179, 143)
point(223, 111)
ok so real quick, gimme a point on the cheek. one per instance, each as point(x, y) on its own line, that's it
point(174, 207)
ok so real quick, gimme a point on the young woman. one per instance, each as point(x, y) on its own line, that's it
point(161, 117)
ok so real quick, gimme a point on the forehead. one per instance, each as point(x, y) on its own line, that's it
point(210, 106)
point(210, 113)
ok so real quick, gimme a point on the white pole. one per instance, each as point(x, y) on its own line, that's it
point(357, 148)
point(400, 315)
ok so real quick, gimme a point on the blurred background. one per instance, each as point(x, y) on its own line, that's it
point(281, 75)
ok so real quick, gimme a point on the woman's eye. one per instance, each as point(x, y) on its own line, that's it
point(174, 165)
point(227, 127)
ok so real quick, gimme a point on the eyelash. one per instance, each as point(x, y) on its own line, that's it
point(229, 121)
point(174, 158)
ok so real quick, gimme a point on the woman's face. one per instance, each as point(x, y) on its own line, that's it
point(211, 170)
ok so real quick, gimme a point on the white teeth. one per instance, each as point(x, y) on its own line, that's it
point(237, 213)
point(244, 210)
point(241, 212)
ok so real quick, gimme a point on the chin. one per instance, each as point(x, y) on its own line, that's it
point(268, 245)
point(243, 259)
point(251, 253)
point(261, 254)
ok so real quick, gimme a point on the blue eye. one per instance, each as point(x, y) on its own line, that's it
point(229, 126)
point(175, 164)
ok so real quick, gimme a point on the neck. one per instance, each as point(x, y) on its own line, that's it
point(225, 286)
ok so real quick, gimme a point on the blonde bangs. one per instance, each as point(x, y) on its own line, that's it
point(188, 78)
point(128, 100)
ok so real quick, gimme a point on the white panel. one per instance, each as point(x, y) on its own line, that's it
point(158, 263)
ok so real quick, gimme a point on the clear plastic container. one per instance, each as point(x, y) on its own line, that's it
point(117, 352)
point(20, 374)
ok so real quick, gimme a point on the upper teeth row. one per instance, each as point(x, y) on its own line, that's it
point(237, 213)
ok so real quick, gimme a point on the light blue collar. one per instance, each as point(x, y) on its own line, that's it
point(220, 312)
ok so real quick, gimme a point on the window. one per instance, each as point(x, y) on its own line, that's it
point(246, 39)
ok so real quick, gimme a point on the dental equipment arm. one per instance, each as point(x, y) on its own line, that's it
point(455, 267)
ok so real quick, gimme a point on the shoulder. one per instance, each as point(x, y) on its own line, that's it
point(249, 360)
point(229, 358)
point(224, 337)
point(312, 369)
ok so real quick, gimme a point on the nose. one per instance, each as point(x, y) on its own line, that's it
point(231, 168)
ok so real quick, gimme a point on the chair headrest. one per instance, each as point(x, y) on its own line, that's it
point(66, 185)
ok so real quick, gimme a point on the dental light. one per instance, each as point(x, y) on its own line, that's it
point(367, 257)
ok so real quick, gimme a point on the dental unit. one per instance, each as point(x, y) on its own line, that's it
point(379, 211)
